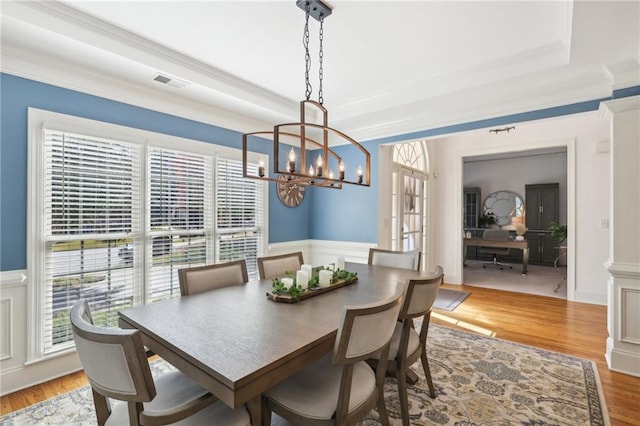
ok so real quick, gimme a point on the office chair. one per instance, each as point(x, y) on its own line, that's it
point(495, 234)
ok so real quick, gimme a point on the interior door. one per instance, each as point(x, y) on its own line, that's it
point(409, 210)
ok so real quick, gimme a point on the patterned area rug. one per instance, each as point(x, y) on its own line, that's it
point(479, 381)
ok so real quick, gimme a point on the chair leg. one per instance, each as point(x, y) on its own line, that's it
point(427, 374)
point(403, 397)
point(382, 408)
point(412, 377)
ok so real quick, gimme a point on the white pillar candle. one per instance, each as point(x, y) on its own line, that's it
point(287, 282)
point(302, 279)
point(325, 278)
point(340, 263)
point(308, 269)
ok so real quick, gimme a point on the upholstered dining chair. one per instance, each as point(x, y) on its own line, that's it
point(495, 234)
point(276, 266)
point(395, 259)
point(204, 278)
point(407, 345)
point(341, 388)
point(115, 362)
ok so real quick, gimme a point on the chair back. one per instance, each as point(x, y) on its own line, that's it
point(366, 329)
point(395, 259)
point(419, 295)
point(495, 234)
point(209, 277)
point(276, 266)
point(114, 360)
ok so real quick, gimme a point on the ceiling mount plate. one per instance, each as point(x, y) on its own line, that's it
point(317, 8)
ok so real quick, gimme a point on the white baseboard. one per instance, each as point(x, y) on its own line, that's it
point(592, 297)
point(622, 361)
point(29, 375)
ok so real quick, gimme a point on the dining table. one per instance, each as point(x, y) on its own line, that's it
point(237, 343)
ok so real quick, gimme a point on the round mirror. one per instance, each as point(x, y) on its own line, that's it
point(504, 205)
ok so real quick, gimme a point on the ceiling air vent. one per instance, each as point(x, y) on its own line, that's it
point(171, 81)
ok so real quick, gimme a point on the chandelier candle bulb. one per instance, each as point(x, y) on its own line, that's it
point(340, 263)
point(324, 278)
point(311, 171)
point(302, 279)
point(319, 164)
point(292, 161)
point(287, 282)
point(261, 167)
point(359, 174)
point(341, 169)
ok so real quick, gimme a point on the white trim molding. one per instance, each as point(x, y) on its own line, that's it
point(623, 344)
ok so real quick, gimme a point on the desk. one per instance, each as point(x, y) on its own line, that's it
point(237, 344)
point(522, 245)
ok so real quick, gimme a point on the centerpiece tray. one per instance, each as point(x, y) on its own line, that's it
point(311, 292)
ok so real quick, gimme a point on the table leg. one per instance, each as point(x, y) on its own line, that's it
point(525, 260)
point(255, 410)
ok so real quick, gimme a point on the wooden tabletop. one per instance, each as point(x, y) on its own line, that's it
point(237, 343)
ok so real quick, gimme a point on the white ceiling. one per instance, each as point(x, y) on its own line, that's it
point(389, 67)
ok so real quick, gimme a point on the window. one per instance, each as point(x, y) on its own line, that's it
point(116, 212)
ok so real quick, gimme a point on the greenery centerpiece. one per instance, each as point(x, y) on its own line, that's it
point(294, 292)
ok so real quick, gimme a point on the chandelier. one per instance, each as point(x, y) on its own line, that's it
point(304, 153)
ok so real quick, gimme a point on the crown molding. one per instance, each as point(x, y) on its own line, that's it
point(623, 74)
point(497, 71)
point(617, 106)
point(42, 68)
point(65, 20)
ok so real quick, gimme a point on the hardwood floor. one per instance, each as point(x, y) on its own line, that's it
point(577, 329)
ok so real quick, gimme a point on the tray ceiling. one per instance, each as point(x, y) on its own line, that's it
point(389, 67)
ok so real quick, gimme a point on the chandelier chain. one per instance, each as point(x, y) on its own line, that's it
point(321, 56)
point(307, 56)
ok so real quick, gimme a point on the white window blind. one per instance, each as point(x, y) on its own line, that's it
point(113, 218)
point(92, 195)
point(180, 200)
point(239, 223)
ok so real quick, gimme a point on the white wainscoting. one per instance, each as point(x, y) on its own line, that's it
point(623, 344)
point(16, 374)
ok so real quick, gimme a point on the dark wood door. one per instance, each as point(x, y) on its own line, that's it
point(542, 205)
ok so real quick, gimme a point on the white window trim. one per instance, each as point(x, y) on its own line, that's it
point(39, 119)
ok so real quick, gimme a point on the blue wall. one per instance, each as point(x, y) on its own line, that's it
point(349, 214)
point(18, 94)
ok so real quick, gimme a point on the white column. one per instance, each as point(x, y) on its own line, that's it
point(623, 319)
